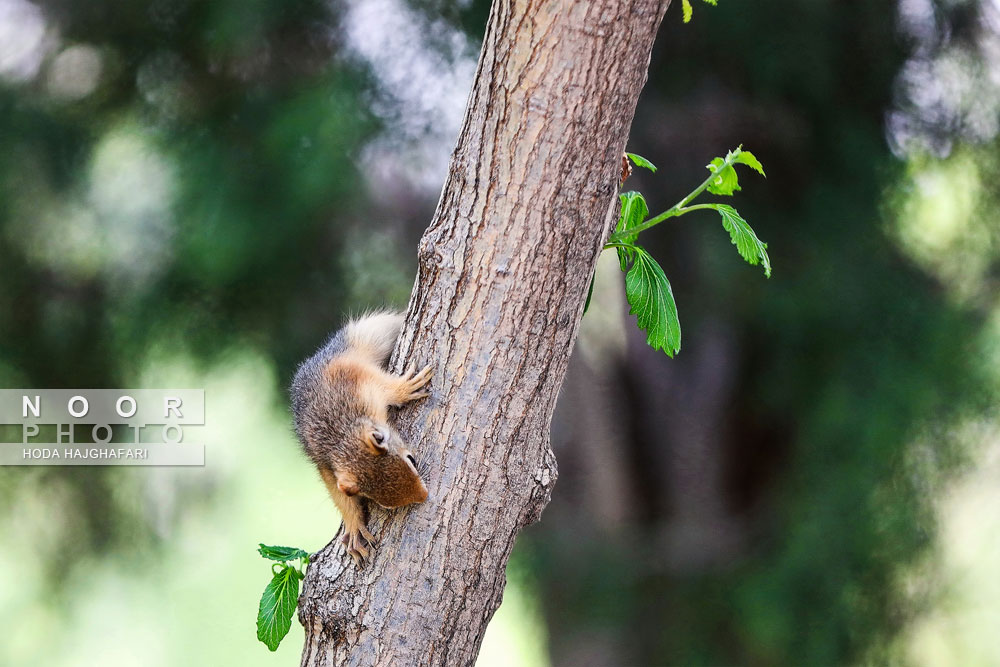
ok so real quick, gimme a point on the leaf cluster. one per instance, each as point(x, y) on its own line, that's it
point(647, 289)
point(281, 595)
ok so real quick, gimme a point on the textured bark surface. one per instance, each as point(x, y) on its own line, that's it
point(503, 274)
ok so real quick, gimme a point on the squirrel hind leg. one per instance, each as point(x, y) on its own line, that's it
point(356, 533)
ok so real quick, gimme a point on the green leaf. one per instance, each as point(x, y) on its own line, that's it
point(277, 606)
point(640, 161)
point(652, 302)
point(748, 158)
point(688, 10)
point(726, 182)
point(281, 553)
point(633, 212)
point(751, 248)
point(625, 255)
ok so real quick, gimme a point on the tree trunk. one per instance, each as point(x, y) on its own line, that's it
point(503, 274)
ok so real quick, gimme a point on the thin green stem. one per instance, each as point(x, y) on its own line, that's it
point(669, 213)
point(697, 207)
point(681, 207)
point(728, 162)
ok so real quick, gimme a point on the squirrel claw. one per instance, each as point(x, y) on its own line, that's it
point(424, 375)
point(355, 547)
point(359, 543)
point(413, 381)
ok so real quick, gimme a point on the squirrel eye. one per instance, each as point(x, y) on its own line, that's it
point(412, 460)
point(378, 437)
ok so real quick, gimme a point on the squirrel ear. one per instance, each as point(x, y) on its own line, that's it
point(375, 440)
point(347, 483)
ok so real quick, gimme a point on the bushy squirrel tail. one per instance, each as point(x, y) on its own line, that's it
point(373, 335)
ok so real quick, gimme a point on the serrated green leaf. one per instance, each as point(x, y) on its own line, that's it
point(624, 257)
point(726, 182)
point(652, 302)
point(277, 606)
point(748, 158)
point(633, 212)
point(640, 161)
point(751, 248)
point(281, 553)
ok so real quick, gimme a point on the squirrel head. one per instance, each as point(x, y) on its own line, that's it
point(385, 469)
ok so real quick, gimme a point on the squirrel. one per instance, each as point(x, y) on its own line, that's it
point(340, 399)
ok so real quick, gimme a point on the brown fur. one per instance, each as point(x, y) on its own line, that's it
point(341, 397)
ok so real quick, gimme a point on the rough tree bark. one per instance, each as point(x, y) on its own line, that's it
point(503, 274)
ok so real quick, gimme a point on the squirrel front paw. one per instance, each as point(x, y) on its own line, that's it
point(411, 383)
point(358, 542)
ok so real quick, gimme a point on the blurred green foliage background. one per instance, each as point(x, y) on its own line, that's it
point(195, 194)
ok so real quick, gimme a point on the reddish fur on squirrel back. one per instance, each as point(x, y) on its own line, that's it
point(340, 399)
